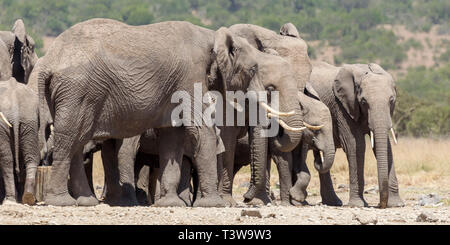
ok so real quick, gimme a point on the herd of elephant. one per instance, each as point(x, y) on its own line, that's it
point(104, 85)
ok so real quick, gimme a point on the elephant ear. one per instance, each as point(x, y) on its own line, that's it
point(344, 89)
point(289, 29)
point(225, 55)
point(375, 68)
point(311, 92)
point(19, 30)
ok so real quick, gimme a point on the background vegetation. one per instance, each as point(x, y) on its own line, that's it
point(423, 107)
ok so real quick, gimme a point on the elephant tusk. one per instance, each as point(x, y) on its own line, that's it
point(284, 125)
point(52, 128)
point(371, 139)
point(312, 127)
point(393, 135)
point(6, 120)
point(321, 157)
point(275, 112)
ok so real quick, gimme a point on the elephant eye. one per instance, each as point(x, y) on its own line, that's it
point(253, 70)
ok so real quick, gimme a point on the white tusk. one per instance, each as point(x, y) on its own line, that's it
point(393, 135)
point(6, 120)
point(312, 127)
point(275, 112)
point(52, 128)
point(321, 157)
point(371, 139)
point(236, 105)
point(284, 125)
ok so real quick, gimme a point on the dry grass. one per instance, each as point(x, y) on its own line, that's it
point(420, 164)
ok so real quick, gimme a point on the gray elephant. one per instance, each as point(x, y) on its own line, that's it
point(20, 52)
point(104, 79)
point(293, 50)
point(293, 173)
point(19, 155)
point(121, 180)
point(361, 99)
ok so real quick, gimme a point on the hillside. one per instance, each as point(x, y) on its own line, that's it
point(409, 38)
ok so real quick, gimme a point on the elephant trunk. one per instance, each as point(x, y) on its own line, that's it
point(287, 140)
point(323, 160)
point(258, 163)
point(381, 152)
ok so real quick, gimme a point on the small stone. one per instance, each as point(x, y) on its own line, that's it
point(426, 217)
point(371, 190)
point(429, 200)
point(251, 213)
point(271, 215)
point(365, 219)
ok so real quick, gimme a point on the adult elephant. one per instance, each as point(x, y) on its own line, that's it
point(18, 136)
point(291, 48)
point(20, 52)
point(103, 79)
point(293, 173)
point(361, 98)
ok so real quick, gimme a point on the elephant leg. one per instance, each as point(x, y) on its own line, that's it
point(327, 192)
point(229, 141)
point(205, 161)
point(111, 189)
point(141, 174)
point(79, 183)
point(354, 147)
point(154, 190)
point(126, 155)
point(184, 190)
point(170, 159)
point(88, 163)
point(7, 171)
point(30, 155)
point(301, 176)
point(394, 199)
point(283, 160)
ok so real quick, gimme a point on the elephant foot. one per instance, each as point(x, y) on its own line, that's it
point(210, 201)
point(28, 198)
point(259, 199)
point(331, 199)
point(299, 204)
point(298, 194)
point(395, 201)
point(9, 201)
point(186, 196)
point(170, 201)
point(63, 199)
point(285, 203)
point(87, 201)
point(229, 200)
point(357, 202)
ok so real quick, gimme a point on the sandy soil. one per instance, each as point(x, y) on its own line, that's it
point(314, 214)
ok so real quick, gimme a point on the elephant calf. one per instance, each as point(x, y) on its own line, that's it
point(19, 155)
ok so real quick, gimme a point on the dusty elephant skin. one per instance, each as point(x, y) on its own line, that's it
point(20, 53)
point(19, 132)
point(293, 50)
point(361, 99)
point(100, 70)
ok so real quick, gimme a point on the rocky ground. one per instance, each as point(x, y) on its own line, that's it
point(436, 211)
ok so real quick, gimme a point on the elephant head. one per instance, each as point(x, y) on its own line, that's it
point(240, 66)
point(368, 94)
point(21, 51)
point(319, 139)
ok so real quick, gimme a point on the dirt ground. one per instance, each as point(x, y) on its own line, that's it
point(422, 167)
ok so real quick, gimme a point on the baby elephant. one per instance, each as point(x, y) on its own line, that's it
point(19, 154)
